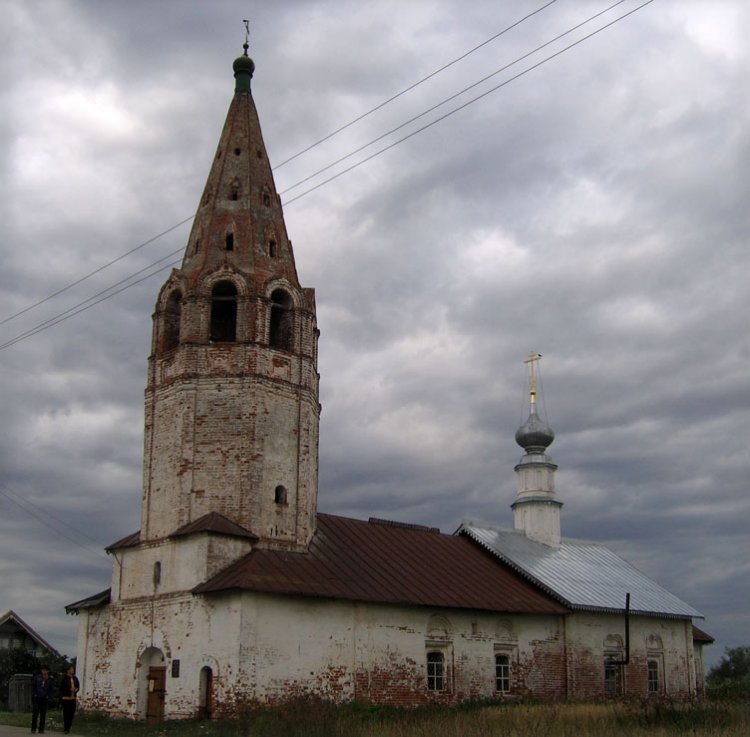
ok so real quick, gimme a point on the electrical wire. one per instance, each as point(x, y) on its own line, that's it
point(39, 514)
point(412, 86)
point(466, 104)
point(95, 271)
point(449, 99)
point(291, 158)
point(83, 306)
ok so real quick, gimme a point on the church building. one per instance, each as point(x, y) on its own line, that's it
point(236, 592)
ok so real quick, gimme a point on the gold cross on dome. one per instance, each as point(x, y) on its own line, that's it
point(532, 359)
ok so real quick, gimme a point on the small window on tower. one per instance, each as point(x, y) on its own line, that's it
point(272, 249)
point(237, 151)
point(266, 199)
point(259, 154)
point(229, 243)
point(157, 573)
point(279, 495)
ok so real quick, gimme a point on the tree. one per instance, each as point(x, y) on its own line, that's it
point(730, 677)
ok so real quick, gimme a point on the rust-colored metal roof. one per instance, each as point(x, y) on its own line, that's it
point(385, 563)
point(214, 522)
point(90, 602)
point(129, 541)
point(700, 636)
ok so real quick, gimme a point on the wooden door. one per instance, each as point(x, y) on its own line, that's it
point(157, 680)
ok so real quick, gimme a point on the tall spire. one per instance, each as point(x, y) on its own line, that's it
point(232, 406)
point(536, 511)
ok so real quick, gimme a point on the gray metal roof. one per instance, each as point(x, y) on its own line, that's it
point(584, 575)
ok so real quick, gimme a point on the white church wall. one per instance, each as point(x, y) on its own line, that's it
point(667, 642)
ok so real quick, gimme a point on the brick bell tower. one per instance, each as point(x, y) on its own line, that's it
point(232, 409)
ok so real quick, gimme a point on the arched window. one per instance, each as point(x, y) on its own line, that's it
point(172, 317)
point(223, 313)
point(281, 332)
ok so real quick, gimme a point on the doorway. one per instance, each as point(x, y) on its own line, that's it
point(206, 697)
point(157, 681)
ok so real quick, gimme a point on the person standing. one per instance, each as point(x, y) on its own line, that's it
point(41, 693)
point(68, 693)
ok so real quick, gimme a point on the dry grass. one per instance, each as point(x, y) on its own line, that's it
point(315, 719)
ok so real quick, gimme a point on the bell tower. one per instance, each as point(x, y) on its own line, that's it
point(231, 405)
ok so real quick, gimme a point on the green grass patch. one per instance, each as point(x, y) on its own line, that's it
point(313, 718)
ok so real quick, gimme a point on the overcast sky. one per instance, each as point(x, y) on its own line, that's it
point(595, 209)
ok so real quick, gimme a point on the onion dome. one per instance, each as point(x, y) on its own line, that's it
point(243, 67)
point(534, 434)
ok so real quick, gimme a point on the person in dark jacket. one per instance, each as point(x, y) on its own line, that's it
point(41, 693)
point(68, 693)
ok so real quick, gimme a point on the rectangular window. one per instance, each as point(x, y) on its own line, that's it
point(654, 687)
point(502, 673)
point(612, 677)
point(435, 671)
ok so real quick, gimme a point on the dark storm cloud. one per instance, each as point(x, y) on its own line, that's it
point(594, 210)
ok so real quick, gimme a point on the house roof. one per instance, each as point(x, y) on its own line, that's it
point(129, 541)
point(211, 522)
point(90, 602)
point(216, 523)
point(379, 561)
point(703, 637)
point(10, 620)
point(583, 575)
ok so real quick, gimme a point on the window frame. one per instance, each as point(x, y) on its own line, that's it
point(436, 682)
point(658, 660)
point(612, 666)
point(507, 677)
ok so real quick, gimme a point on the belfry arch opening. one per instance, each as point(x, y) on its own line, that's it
point(172, 318)
point(223, 313)
point(281, 329)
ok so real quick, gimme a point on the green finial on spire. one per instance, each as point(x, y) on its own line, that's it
point(243, 65)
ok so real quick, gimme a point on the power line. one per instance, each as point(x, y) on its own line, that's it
point(286, 161)
point(95, 271)
point(412, 86)
point(85, 306)
point(39, 514)
point(465, 105)
point(448, 99)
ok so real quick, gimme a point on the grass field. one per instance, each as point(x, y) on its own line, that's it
point(313, 719)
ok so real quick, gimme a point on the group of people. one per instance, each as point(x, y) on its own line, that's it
point(42, 690)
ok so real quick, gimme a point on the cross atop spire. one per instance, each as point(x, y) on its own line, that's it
point(532, 359)
point(246, 45)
